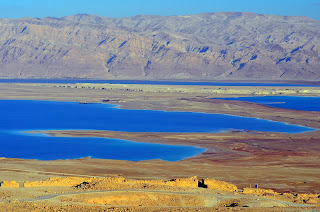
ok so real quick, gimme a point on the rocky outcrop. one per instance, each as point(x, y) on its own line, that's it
point(296, 198)
point(57, 181)
point(121, 183)
point(206, 46)
point(9, 184)
point(219, 185)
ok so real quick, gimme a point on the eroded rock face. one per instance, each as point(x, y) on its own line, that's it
point(205, 46)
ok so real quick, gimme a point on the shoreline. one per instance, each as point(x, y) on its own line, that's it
point(285, 163)
point(55, 133)
point(207, 149)
point(84, 132)
point(165, 137)
point(201, 104)
point(223, 153)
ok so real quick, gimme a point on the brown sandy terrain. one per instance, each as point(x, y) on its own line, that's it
point(282, 162)
point(241, 158)
point(183, 194)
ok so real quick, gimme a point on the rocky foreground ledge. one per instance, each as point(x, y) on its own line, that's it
point(118, 193)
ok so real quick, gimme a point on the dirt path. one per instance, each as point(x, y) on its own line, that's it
point(211, 199)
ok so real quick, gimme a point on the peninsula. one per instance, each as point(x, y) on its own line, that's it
point(285, 166)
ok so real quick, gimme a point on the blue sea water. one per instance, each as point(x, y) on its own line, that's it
point(288, 102)
point(17, 116)
point(150, 82)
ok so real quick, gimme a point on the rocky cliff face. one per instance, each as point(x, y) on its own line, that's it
point(207, 46)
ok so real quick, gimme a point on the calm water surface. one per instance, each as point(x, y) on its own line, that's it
point(288, 102)
point(19, 115)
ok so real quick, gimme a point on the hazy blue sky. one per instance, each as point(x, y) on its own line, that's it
point(123, 8)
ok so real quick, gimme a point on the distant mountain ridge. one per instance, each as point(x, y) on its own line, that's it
point(213, 46)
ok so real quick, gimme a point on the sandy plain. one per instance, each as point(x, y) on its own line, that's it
point(285, 163)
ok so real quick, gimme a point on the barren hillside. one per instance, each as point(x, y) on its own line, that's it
point(211, 46)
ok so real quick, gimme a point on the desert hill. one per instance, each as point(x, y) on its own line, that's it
point(213, 46)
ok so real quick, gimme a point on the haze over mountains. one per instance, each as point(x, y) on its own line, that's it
point(215, 46)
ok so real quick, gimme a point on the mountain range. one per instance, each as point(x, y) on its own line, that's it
point(213, 46)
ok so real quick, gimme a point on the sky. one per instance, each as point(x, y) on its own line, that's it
point(125, 8)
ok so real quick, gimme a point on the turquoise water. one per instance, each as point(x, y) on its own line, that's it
point(17, 116)
point(288, 102)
